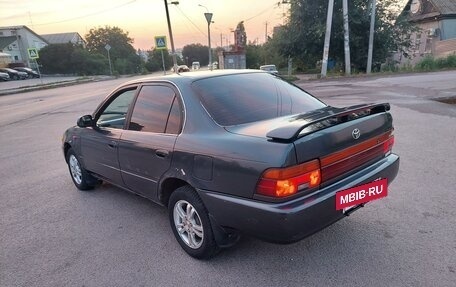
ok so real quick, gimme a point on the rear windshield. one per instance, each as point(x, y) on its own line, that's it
point(244, 98)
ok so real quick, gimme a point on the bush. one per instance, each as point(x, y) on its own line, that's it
point(429, 63)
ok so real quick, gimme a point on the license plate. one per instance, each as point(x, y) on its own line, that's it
point(352, 197)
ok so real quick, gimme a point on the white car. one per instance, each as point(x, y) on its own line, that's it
point(196, 65)
point(270, 69)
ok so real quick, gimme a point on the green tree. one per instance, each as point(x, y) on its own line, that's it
point(56, 59)
point(123, 55)
point(71, 59)
point(86, 63)
point(254, 56)
point(196, 53)
point(155, 62)
point(303, 36)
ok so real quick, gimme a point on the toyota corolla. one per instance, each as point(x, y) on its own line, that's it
point(235, 152)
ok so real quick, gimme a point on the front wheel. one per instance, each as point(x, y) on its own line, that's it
point(81, 178)
point(190, 223)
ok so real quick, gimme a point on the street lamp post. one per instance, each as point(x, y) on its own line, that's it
point(173, 51)
point(209, 20)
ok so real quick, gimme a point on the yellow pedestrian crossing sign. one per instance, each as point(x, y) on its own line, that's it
point(160, 43)
point(33, 53)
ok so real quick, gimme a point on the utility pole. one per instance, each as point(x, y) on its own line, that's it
point(346, 38)
point(266, 33)
point(371, 38)
point(173, 51)
point(324, 64)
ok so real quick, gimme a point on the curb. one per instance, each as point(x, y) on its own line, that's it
point(52, 85)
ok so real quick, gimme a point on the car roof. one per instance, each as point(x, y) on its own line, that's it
point(189, 77)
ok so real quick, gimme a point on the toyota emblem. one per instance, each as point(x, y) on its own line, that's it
point(356, 134)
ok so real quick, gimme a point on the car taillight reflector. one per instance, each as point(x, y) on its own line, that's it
point(388, 145)
point(282, 182)
point(347, 159)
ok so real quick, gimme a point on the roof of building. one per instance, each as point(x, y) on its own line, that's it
point(445, 7)
point(62, 38)
point(6, 41)
point(430, 9)
point(25, 28)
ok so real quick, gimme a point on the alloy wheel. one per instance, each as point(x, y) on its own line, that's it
point(75, 169)
point(188, 224)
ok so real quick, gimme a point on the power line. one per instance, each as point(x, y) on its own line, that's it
point(205, 35)
point(262, 12)
point(87, 15)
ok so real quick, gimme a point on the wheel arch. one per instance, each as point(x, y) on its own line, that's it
point(66, 148)
point(168, 186)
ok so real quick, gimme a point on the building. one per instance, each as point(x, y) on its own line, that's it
point(437, 22)
point(236, 58)
point(63, 38)
point(15, 40)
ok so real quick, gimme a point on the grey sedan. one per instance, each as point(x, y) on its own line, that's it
point(234, 152)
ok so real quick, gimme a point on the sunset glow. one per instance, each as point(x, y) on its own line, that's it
point(144, 19)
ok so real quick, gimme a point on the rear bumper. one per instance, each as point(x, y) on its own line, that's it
point(293, 220)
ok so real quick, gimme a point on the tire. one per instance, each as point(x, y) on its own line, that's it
point(190, 223)
point(81, 178)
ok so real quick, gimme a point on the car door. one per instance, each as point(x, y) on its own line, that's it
point(99, 144)
point(146, 146)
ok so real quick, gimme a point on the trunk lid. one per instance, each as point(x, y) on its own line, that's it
point(342, 139)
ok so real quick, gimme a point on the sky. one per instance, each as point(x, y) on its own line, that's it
point(145, 19)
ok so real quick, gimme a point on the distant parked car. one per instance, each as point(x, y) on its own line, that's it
point(30, 73)
point(4, 76)
point(196, 65)
point(13, 74)
point(183, 68)
point(270, 69)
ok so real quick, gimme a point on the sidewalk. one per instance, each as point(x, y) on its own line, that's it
point(19, 86)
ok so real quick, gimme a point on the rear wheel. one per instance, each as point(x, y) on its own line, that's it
point(190, 223)
point(81, 178)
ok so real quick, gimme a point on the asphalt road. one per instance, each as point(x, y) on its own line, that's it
point(54, 235)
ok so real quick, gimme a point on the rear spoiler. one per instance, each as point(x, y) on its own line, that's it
point(302, 125)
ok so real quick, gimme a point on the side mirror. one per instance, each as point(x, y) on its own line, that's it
point(85, 121)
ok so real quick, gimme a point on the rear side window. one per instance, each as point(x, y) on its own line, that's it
point(243, 98)
point(152, 109)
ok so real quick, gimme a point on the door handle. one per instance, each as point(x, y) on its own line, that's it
point(112, 144)
point(161, 153)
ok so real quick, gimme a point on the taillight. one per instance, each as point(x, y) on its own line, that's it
point(388, 145)
point(282, 182)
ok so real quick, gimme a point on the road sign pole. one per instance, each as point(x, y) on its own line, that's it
point(110, 66)
point(108, 47)
point(163, 61)
point(39, 73)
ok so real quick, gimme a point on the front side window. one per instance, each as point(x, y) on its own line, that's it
point(154, 106)
point(114, 115)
